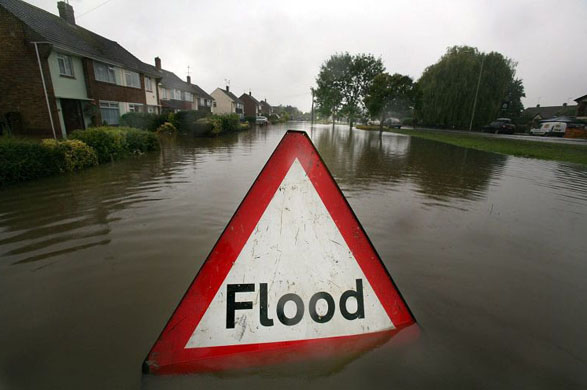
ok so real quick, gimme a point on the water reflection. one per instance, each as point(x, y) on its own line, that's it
point(488, 251)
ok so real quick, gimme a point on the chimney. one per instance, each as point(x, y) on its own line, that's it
point(538, 106)
point(227, 88)
point(158, 63)
point(564, 104)
point(249, 92)
point(66, 12)
point(189, 79)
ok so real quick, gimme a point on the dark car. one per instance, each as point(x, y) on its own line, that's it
point(500, 126)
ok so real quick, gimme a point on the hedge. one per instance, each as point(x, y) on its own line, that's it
point(74, 155)
point(22, 160)
point(143, 120)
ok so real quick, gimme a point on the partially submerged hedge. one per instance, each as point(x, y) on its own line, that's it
point(22, 159)
point(114, 143)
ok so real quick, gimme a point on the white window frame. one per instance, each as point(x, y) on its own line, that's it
point(110, 71)
point(132, 79)
point(67, 65)
point(135, 107)
point(148, 84)
point(110, 105)
point(177, 94)
point(188, 97)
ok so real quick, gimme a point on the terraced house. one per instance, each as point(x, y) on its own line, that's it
point(176, 94)
point(56, 76)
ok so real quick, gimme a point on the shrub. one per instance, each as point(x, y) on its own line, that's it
point(251, 119)
point(22, 160)
point(140, 141)
point(185, 121)
point(138, 120)
point(108, 142)
point(167, 129)
point(74, 155)
point(228, 122)
point(245, 126)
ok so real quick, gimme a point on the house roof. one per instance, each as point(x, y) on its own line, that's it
point(231, 95)
point(548, 111)
point(249, 96)
point(581, 98)
point(47, 27)
point(171, 80)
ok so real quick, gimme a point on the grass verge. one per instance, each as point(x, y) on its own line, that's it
point(514, 147)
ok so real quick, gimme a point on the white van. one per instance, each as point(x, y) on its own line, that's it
point(550, 128)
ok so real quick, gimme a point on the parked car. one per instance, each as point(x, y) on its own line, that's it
point(500, 126)
point(393, 122)
point(261, 120)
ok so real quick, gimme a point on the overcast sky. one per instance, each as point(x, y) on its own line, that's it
point(275, 48)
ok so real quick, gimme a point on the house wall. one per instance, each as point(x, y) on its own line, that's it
point(67, 87)
point(20, 79)
point(224, 104)
point(251, 107)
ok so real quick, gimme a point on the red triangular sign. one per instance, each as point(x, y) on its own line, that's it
point(293, 272)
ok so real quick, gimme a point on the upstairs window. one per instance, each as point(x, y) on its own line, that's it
point(202, 101)
point(104, 72)
point(188, 97)
point(132, 79)
point(65, 65)
point(176, 94)
point(148, 84)
point(164, 94)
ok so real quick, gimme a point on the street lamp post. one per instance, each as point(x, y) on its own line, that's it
point(477, 92)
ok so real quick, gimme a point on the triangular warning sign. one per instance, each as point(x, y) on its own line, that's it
point(292, 270)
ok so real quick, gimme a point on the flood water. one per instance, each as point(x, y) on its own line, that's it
point(489, 251)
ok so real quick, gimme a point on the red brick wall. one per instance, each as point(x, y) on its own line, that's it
point(21, 88)
point(250, 105)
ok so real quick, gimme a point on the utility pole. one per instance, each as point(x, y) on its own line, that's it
point(312, 114)
point(477, 92)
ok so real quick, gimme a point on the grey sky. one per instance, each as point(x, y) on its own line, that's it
point(275, 48)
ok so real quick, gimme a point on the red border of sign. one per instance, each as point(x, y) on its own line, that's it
point(169, 355)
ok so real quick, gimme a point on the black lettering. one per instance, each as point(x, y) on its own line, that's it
point(329, 301)
point(232, 306)
point(299, 309)
point(265, 320)
point(360, 313)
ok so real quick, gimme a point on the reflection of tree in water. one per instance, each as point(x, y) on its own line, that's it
point(365, 159)
point(443, 170)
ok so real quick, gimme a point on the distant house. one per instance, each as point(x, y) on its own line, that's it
point(227, 102)
point(56, 76)
point(266, 108)
point(252, 105)
point(538, 113)
point(582, 107)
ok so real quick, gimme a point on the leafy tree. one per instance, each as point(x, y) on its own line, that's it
point(389, 94)
point(343, 83)
point(447, 89)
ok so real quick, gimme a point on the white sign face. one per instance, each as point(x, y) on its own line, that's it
point(295, 279)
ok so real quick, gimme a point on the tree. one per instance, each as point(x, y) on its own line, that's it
point(447, 89)
point(389, 94)
point(343, 83)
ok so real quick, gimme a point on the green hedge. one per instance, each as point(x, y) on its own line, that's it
point(22, 160)
point(185, 121)
point(74, 155)
point(114, 143)
point(142, 120)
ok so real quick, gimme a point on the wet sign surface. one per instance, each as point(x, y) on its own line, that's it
point(292, 274)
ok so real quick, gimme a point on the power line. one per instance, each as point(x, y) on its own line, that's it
point(93, 9)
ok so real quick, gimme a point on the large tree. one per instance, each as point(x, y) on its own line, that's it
point(343, 83)
point(389, 95)
point(448, 88)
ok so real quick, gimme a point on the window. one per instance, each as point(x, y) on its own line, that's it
point(135, 107)
point(202, 102)
point(209, 103)
point(110, 112)
point(176, 94)
point(148, 84)
point(65, 65)
point(164, 94)
point(104, 72)
point(152, 109)
point(188, 97)
point(132, 79)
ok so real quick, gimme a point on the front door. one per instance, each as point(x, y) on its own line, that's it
point(72, 115)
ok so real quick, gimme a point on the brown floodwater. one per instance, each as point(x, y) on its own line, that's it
point(489, 251)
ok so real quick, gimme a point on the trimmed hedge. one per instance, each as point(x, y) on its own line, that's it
point(114, 143)
point(143, 120)
point(22, 160)
point(74, 154)
point(185, 121)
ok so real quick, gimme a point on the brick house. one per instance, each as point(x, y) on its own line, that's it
point(56, 76)
point(227, 102)
point(582, 107)
point(176, 94)
point(252, 105)
point(266, 108)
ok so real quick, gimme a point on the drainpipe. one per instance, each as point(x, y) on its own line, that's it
point(45, 89)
